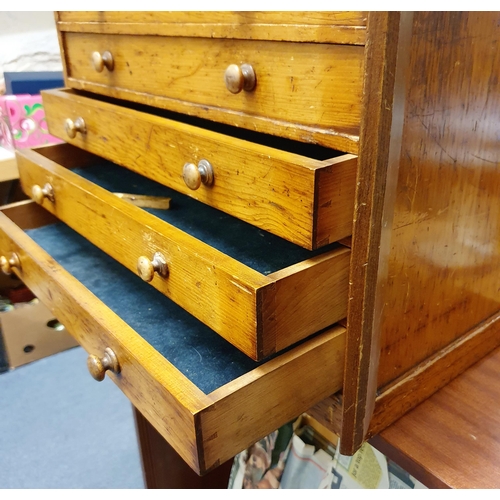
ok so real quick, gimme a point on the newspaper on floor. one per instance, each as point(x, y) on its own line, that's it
point(261, 465)
point(297, 456)
point(366, 469)
point(307, 467)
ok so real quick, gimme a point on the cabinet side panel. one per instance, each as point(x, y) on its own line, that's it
point(360, 374)
point(442, 269)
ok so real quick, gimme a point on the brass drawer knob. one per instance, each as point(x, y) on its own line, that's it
point(39, 194)
point(7, 264)
point(238, 78)
point(147, 268)
point(101, 61)
point(194, 175)
point(72, 127)
point(99, 366)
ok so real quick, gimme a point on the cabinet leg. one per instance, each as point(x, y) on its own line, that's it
point(163, 468)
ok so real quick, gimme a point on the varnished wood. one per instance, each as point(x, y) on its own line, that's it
point(27, 215)
point(302, 199)
point(147, 379)
point(253, 311)
point(66, 153)
point(361, 352)
point(289, 304)
point(424, 332)
point(417, 470)
point(451, 439)
point(187, 75)
point(334, 201)
point(163, 468)
point(222, 432)
point(420, 107)
point(329, 413)
point(435, 372)
point(8, 170)
point(444, 255)
point(205, 429)
point(328, 27)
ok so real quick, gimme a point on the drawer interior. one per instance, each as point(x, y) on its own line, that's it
point(257, 249)
point(309, 150)
point(258, 291)
point(204, 357)
point(301, 192)
point(204, 397)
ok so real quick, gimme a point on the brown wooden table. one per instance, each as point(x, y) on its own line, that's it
point(452, 440)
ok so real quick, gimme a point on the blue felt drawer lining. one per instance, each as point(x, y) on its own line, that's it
point(199, 353)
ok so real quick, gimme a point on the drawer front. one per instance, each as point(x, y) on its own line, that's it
point(206, 427)
point(307, 201)
point(313, 86)
point(258, 313)
point(325, 27)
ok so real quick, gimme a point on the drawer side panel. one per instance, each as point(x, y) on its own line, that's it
point(236, 421)
point(311, 292)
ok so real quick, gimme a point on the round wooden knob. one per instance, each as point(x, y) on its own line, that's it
point(238, 78)
point(101, 61)
point(72, 127)
point(99, 366)
point(8, 263)
point(39, 194)
point(194, 175)
point(147, 268)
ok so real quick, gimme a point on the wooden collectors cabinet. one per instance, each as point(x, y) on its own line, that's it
point(382, 120)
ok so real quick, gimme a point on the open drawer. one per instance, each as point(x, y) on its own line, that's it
point(258, 291)
point(205, 397)
point(301, 192)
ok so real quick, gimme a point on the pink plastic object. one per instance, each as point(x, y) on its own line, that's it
point(22, 122)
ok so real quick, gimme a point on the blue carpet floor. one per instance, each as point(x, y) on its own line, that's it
point(59, 428)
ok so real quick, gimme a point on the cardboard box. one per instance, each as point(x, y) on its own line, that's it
point(8, 165)
point(30, 332)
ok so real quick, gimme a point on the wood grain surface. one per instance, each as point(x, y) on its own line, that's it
point(315, 88)
point(310, 295)
point(152, 384)
point(163, 468)
point(442, 277)
point(407, 391)
point(205, 429)
point(361, 352)
point(451, 440)
point(327, 27)
point(8, 169)
point(240, 403)
point(302, 199)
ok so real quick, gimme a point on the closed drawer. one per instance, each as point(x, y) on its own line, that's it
point(207, 399)
point(304, 199)
point(295, 26)
point(256, 290)
point(306, 91)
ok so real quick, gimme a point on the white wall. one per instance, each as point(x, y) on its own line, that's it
point(28, 42)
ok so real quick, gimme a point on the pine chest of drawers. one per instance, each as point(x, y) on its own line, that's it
point(276, 137)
